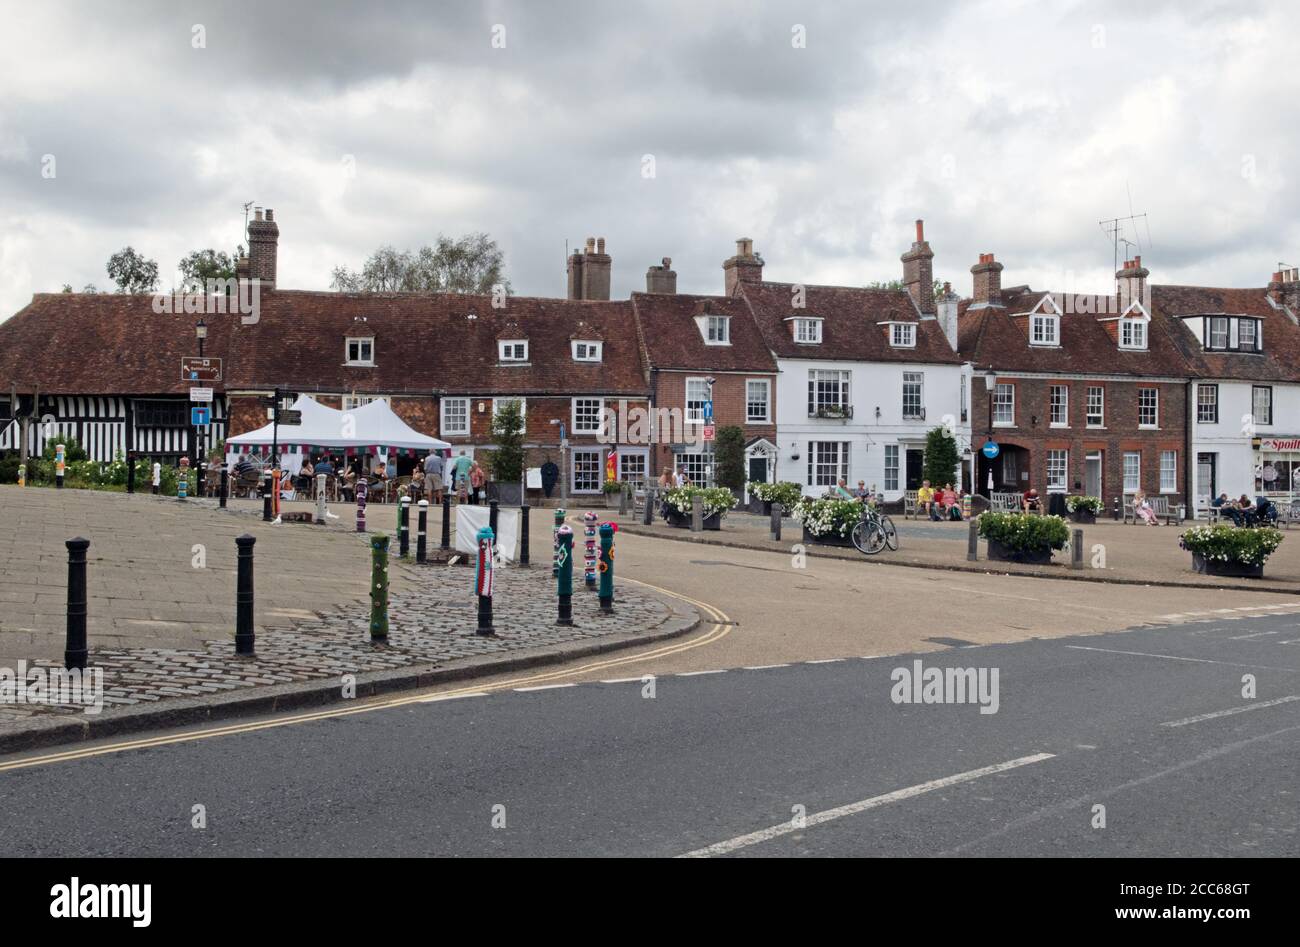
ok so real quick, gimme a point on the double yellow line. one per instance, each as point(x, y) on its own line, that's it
point(720, 626)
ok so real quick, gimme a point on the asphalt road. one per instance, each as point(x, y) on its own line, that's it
point(725, 759)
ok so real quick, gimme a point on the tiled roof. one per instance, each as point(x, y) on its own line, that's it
point(1280, 360)
point(850, 323)
point(994, 337)
point(673, 340)
point(424, 343)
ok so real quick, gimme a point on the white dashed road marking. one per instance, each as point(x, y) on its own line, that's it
point(1233, 710)
point(542, 687)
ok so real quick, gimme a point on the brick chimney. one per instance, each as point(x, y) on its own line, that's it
point(918, 271)
point(589, 271)
point(1284, 289)
point(947, 305)
point(1131, 283)
point(745, 267)
point(988, 281)
point(263, 238)
point(661, 279)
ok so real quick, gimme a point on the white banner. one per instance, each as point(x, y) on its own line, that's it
point(470, 519)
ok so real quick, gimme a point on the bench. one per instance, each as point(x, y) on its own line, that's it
point(1289, 515)
point(1006, 503)
point(1159, 505)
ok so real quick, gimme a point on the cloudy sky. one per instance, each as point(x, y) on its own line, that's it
point(1011, 127)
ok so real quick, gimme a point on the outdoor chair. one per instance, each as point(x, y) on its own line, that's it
point(909, 505)
point(1290, 515)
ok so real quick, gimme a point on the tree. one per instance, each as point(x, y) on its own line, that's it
point(508, 433)
point(88, 288)
point(203, 265)
point(897, 284)
point(472, 264)
point(729, 457)
point(941, 457)
point(132, 272)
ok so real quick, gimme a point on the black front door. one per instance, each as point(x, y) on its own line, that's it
point(914, 462)
point(758, 470)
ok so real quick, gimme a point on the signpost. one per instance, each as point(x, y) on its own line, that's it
point(201, 394)
point(200, 369)
point(990, 450)
point(290, 417)
point(200, 416)
point(709, 432)
point(707, 411)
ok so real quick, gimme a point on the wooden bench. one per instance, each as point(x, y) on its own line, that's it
point(1159, 506)
point(1290, 514)
point(909, 505)
point(1006, 503)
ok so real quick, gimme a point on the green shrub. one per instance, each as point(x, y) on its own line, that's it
point(715, 499)
point(828, 517)
point(613, 486)
point(786, 493)
point(1091, 504)
point(1225, 543)
point(1024, 532)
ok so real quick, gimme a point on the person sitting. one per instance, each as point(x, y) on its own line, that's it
point(951, 502)
point(1235, 510)
point(841, 491)
point(1142, 509)
point(862, 494)
point(925, 499)
point(1265, 512)
point(1031, 502)
point(323, 466)
point(306, 476)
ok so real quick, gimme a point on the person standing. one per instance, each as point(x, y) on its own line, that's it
point(433, 467)
point(477, 481)
point(459, 475)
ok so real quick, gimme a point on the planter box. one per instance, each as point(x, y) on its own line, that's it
point(1236, 570)
point(1001, 553)
point(611, 501)
point(1083, 516)
point(829, 539)
point(683, 520)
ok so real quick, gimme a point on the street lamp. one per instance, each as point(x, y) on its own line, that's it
point(709, 454)
point(200, 333)
point(990, 385)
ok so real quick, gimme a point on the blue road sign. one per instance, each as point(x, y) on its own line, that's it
point(708, 411)
point(200, 416)
point(991, 449)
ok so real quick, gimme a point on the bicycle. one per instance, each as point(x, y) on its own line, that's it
point(874, 532)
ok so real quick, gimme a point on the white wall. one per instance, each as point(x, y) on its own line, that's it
point(1231, 437)
point(872, 385)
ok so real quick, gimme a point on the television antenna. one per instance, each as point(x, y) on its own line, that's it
point(247, 205)
point(1113, 228)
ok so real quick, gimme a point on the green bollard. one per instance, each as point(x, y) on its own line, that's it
point(555, 540)
point(564, 574)
point(379, 587)
point(606, 568)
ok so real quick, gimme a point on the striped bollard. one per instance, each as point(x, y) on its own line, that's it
point(266, 498)
point(589, 550)
point(555, 539)
point(379, 587)
point(607, 567)
point(404, 527)
point(564, 574)
point(320, 498)
point(362, 490)
point(22, 475)
point(157, 478)
point(59, 452)
point(483, 582)
point(182, 482)
point(421, 527)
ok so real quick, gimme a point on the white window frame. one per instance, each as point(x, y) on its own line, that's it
point(891, 466)
point(352, 402)
point(1063, 405)
point(1101, 405)
point(573, 416)
point(1149, 425)
point(523, 411)
point(696, 415)
point(1134, 485)
point(593, 351)
point(1009, 404)
point(695, 461)
point(585, 452)
point(843, 378)
point(717, 330)
point(1210, 333)
point(1254, 404)
point(807, 331)
point(1044, 321)
point(506, 351)
point(1169, 471)
point(1132, 328)
point(917, 380)
point(444, 426)
point(1202, 402)
point(1256, 341)
point(902, 335)
point(1058, 470)
point(360, 341)
point(750, 401)
point(819, 459)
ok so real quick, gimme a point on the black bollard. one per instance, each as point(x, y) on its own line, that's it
point(775, 527)
point(1076, 550)
point(973, 543)
point(225, 485)
point(421, 525)
point(523, 535)
point(492, 516)
point(446, 522)
point(647, 515)
point(244, 595)
point(74, 654)
point(404, 527)
point(130, 471)
point(266, 498)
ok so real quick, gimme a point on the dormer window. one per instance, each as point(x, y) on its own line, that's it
point(587, 351)
point(1218, 337)
point(808, 331)
point(360, 351)
point(902, 335)
point(1132, 334)
point(1247, 335)
point(513, 350)
point(717, 330)
point(1045, 329)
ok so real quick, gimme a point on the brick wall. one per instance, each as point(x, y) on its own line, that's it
point(1120, 433)
point(728, 405)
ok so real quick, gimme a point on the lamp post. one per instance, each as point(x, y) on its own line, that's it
point(200, 333)
point(709, 474)
point(990, 385)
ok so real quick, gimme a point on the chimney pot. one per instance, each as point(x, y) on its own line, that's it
point(920, 231)
point(257, 213)
point(744, 267)
point(600, 244)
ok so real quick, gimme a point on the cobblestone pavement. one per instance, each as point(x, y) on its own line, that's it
point(432, 622)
